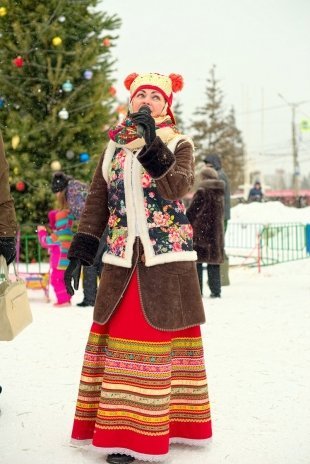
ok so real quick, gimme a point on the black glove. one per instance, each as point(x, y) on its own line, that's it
point(148, 125)
point(73, 271)
point(8, 248)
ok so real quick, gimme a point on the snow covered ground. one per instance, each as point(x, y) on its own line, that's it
point(257, 348)
point(258, 361)
point(269, 213)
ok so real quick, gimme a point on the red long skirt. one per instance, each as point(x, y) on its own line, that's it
point(141, 388)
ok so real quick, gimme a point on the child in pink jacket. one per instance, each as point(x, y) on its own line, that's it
point(61, 222)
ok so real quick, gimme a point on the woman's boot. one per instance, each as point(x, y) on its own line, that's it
point(117, 458)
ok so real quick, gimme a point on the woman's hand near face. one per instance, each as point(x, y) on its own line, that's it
point(147, 122)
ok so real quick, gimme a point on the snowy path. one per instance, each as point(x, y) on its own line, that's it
point(258, 361)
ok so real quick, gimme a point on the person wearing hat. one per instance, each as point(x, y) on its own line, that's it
point(218, 275)
point(206, 214)
point(213, 160)
point(143, 383)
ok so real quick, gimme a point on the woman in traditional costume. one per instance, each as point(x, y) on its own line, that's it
point(143, 383)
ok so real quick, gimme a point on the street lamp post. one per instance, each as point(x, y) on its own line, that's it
point(296, 172)
point(296, 168)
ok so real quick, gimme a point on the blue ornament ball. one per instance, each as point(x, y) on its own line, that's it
point(2, 102)
point(84, 157)
point(88, 74)
point(67, 86)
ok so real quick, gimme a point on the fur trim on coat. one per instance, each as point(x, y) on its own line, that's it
point(206, 215)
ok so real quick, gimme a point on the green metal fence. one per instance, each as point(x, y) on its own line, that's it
point(264, 243)
point(30, 251)
point(267, 243)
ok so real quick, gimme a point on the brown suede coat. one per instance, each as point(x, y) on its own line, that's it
point(206, 215)
point(7, 211)
point(169, 293)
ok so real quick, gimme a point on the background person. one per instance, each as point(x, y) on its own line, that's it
point(57, 243)
point(214, 161)
point(61, 236)
point(256, 192)
point(206, 213)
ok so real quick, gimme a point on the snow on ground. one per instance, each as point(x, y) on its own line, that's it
point(268, 213)
point(258, 362)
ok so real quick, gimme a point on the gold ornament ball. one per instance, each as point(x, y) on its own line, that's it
point(55, 165)
point(57, 41)
point(3, 11)
point(16, 171)
point(15, 141)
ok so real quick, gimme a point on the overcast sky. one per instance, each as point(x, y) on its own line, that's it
point(260, 49)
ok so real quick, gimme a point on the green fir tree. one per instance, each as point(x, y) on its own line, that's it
point(231, 150)
point(214, 131)
point(56, 94)
point(178, 113)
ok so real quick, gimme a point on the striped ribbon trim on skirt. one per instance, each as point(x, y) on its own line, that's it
point(141, 388)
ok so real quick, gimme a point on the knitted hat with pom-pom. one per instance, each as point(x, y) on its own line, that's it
point(166, 85)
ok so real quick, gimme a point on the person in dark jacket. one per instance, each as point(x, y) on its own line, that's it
point(206, 214)
point(214, 161)
point(256, 193)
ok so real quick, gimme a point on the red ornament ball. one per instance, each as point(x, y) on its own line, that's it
point(20, 186)
point(106, 42)
point(19, 62)
point(112, 91)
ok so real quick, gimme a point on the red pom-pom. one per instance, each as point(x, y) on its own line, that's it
point(129, 80)
point(177, 82)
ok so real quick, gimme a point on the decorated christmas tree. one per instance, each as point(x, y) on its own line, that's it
point(56, 94)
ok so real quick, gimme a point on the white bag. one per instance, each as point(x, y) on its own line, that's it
point(15, 313)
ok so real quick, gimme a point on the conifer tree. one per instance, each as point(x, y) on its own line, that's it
point(216, 132)
point(56, 94)
point(231, 149)
point(178, 113)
